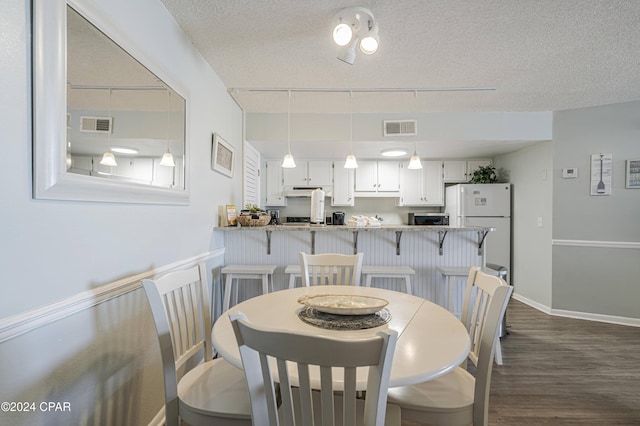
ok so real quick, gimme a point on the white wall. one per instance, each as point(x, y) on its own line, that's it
point(53, 250)
point(530, 172)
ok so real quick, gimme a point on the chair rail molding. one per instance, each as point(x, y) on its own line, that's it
point(598, 244)
point(24, 322)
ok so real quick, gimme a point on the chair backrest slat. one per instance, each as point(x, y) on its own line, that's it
point(334, 359)
point(330, 269)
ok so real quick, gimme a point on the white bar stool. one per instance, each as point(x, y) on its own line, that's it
point(294, 272)
point(247, 272)
point(446, 273)
point(400, 272)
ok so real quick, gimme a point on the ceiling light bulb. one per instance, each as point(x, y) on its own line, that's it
point(415, 162)
point(394, 152)
point(369, 43)
point(124, 150)
point(342, 34)
point(288, 162)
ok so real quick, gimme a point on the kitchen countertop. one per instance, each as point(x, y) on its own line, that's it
point(307, 227)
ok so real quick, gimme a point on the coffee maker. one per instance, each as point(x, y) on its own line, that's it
point(337, 218)
point(275, 217)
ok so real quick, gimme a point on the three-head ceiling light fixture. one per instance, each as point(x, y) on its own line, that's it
point(355, 26)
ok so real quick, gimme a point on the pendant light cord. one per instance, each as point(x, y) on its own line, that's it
point(168, 103)
point(289, 123)
point(351, 121)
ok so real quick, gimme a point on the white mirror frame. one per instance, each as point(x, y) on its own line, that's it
point(49, 64)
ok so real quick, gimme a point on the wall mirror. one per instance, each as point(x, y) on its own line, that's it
point(109, 124)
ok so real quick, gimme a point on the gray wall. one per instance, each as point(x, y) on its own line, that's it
point(54, 250)
point(591, 277)
point(530, 172)
point(584, 261)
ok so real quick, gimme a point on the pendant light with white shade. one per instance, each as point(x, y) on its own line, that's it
point(108, 159)
point(167, 157)
point(415, 163)
point(351, 162)
point(288, 162)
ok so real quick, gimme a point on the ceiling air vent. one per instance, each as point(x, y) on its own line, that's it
point(400, 127)
point(95, 124)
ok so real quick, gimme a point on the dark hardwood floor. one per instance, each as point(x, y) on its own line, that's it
point(562, 371)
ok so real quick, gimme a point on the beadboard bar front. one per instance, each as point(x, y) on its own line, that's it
point(420, 247)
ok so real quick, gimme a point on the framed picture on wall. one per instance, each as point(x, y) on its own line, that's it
point(601, 172)
point(633, 173)
point(222, 156)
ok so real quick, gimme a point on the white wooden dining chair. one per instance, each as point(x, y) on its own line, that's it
point(333, 402)
point(198, 389)
point(330, 269)
point(459, 398)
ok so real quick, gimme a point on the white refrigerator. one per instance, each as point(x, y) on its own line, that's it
point(484, 205)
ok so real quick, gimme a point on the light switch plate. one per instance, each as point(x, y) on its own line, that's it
point(570, 173)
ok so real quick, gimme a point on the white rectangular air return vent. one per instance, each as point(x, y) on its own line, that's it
point(400, 127)
point(95, 124)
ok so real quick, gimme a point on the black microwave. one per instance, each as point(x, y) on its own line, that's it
point(429, 219)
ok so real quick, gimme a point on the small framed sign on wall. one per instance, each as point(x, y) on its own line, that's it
point(222, 156)
point(601, 170)
point(633, 173)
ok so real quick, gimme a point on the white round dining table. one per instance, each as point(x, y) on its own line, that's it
point(431, 340)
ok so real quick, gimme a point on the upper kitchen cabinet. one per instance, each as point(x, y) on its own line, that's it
point(422, 187)
point(309, 173)
point(461, 170)
point(343, 186)
point(377, 179)
point(275, 184)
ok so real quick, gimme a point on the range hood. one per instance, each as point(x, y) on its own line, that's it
point(305, 191)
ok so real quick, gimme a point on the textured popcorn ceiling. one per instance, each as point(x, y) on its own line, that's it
point(539, 55)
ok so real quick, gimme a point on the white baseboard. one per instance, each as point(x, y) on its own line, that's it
point(24, 322)
point(536, 305)
point(611, 319)
point(158, 419)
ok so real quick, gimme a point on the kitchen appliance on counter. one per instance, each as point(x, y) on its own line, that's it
point(337, 218)
point(298, 219)
point(317, 208)
point(275, 217)
point(429, 219)
point(487, 205)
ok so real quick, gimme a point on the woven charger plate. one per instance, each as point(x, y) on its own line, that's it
point(344, 322)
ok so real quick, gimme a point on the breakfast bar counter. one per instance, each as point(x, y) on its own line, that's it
point(423, 248)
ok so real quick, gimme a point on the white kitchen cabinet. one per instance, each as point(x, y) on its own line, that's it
point(461, 170)
point(473, 165)
point(422, 187)
point(343, 186)
point(143, 170)
point(275, 184)
point(81, 164)
point(377, 177)
point(163, 175)
point(309, 173)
